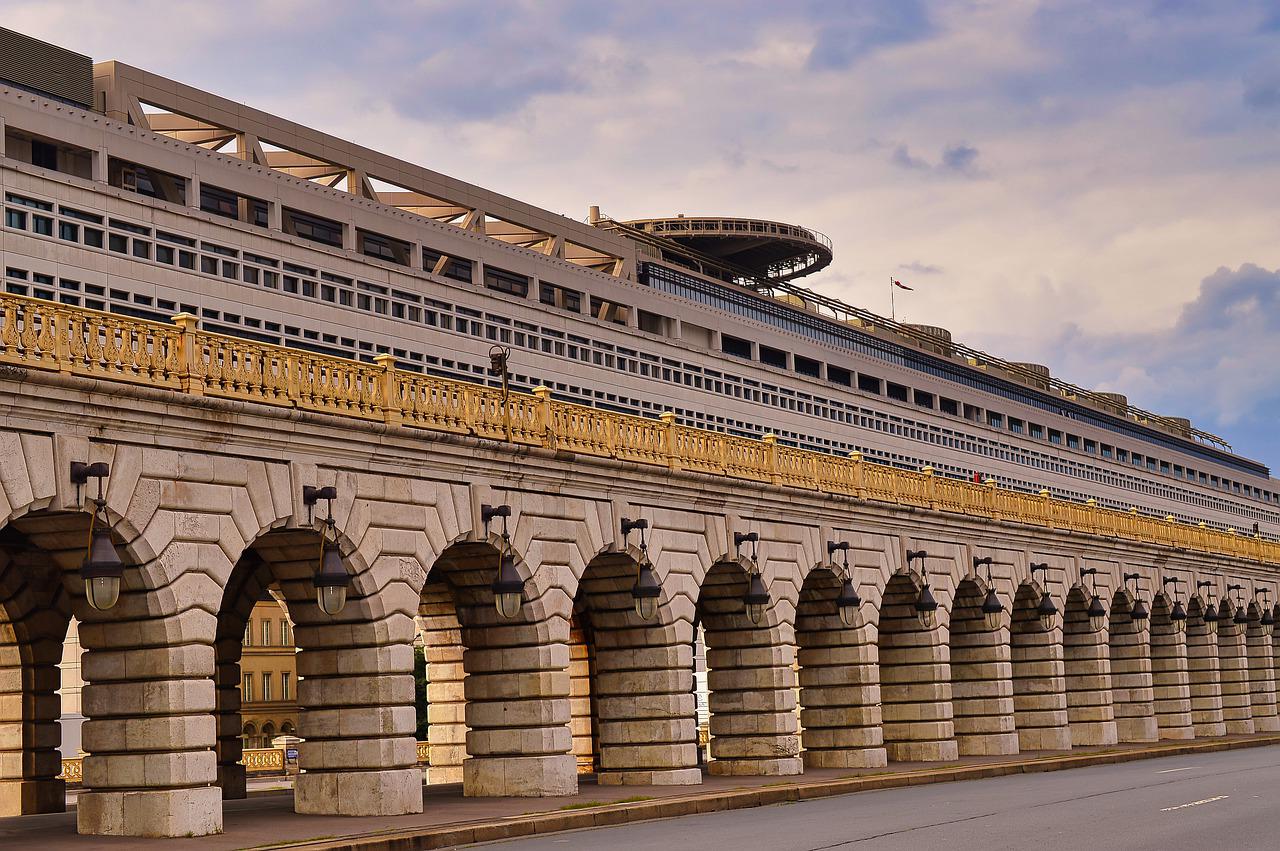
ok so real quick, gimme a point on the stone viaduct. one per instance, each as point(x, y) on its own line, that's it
point(205, 501)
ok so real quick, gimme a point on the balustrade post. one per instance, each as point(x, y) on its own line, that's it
point(771, 456)
point(991, 497)
point(669, 436)
point(1046, 500)
point(546, 422)
point(189, 355)
point(389, 389)
point(1093, 514)
point(930, 486)
point(62, 340)
point(859, 485)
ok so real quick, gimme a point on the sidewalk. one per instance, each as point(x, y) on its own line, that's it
point(266, 820)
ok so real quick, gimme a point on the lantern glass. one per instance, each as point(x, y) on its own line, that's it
point(928, 618)
point(992, 609)
point(1097, 614)
point(331, 599)
point(102, 591)
point(646, 608)
point(1047, 611)
point(507, 603)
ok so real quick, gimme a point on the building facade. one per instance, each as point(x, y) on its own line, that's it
point(268, 676)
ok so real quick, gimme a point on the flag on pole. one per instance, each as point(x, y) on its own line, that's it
point(901, 285)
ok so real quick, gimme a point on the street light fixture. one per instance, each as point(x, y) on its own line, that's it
point(1047, 611)
point(1177, 613)
point(1097, 612)
point(102, 568)
point(498, 357)
point(1268, 619)
point(646, 590)
point(926, 606)
point(1210, 614)
point(992, 608)
point(757, 597)
point(331, 579)
point(508, 587)
point(1242, 616)
point(1139, 612)
point(848, 603)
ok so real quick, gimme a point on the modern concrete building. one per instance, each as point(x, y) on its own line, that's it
point(556, 453)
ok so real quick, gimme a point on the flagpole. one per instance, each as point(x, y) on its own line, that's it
point(893, 309)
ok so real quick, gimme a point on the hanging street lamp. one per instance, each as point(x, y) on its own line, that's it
point(756, 599)
point(646, 590)
point(1177, 613)
point(102, 569)
point(1046, 611)
point(992, 608)
point(1097, 612)
point(1268, 619)
point(848, 603)
point(926, 606)
point(1210, 613)
point(1139, 612)
point(508, 586)
point(331, 579)
point(1242, 615)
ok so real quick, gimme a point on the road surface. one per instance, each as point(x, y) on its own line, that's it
point(1227, 800)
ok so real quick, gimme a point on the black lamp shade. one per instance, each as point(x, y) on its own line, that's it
point(1242, 617)
point(848, 603)
point(331, 580)
point(1140, 612)
point(646, 591)
point(1210, 614)
point(1178, 613)
point(1268, 619)
point(508, 588)
point(1097, 614)
point(992, 608)
point(1047, 611)
point(101, 571)
point(756, 599)
point(927, 607)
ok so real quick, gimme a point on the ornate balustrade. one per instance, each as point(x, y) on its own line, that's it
point(424, 753)
point(263, 760)
point(72, 770)
point(42, 335)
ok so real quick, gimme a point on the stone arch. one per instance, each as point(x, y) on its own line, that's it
point(750, 679)
point(268, 733)
point(249, 733)
point(286, 728)
point(915, 679)
point(1233, 664)
point(633, 689)
point(355, 680)
point(1203, 676)
point(1039, 684)
point(981, 676)
point(839, 680)
point(1087, 670)
point(1262, 676)
point(1170, 677)
point(1133, 698)
point(509, 678)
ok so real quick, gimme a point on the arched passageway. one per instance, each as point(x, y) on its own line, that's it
point(35, 612)
point(1039, 683)
point(634, 709)
point(1087, 670)
point(750, 680)
point(839, 682)
point(1133, 698)
point(981, 677)
point(915, 679)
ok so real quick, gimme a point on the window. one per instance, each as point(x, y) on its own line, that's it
point(1073, 441)
point(15, 219)
point(807, 366)
point(949, 406)
point(734, 346)
point(285, 639)
point(1055, 436)
point(383, 247)
point(266, 685)
point(266, 633)
point(314, 228)
point(995, 420)
point(457, 268)
point(146, 181)
point(1015, 425)
point(246, 688)
point(285, 684)
point(506, 282)
point(896, 391)
point(869, 384)
point(839, 375)
point(248, 634)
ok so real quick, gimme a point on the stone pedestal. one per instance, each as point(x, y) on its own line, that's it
point(915, 693)
point(1233, 662)
point(520, 776)
point(161, 813)
point(394, 792)
point(1171, 682)
point(839, 694)
point(1204, 679)
point(753, 704)
point(233, 781)
point(981, 688)
point(1262, 681)
point(27, 797)
point(1039, 687)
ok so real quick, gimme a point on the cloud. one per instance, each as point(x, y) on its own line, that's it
point(955, 160)
point(961, 159)
point(921, 268)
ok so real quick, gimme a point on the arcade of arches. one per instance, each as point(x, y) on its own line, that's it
point(576, 680)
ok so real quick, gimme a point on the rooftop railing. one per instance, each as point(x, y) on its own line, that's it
point(44, 335)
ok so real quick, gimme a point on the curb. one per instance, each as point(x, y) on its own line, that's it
point(607, 815)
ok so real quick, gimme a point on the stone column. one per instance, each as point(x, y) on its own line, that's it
point(915, 682)
point(1087, 668)
point(29, 735)
point(446, 698)
point(149, 701)
point(1039, 684)
point(357, 718)
point(517, 713)
point(1262, 682)
point(752, 701)
point(646, 719)
point(1132, 695)
point(227, 699)
point(1233, 661)
point(1203, 676)
point(1170, 679)
point(581, 714)
point(839, 694)
point(981, 686)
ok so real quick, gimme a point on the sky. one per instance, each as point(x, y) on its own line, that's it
point(1089, 185)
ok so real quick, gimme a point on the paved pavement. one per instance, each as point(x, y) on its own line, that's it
point(1226, 800)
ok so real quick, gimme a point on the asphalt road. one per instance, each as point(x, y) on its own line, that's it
point(1228, 800)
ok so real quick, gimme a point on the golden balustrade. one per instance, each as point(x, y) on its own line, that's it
point(263, 760)
point(72, 770)
point(42, 335)
point(424, 753)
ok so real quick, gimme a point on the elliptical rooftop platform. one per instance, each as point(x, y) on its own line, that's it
point(771, 250)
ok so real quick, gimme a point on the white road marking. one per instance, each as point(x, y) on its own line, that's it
point(1171, 770)
point(1194, 803)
